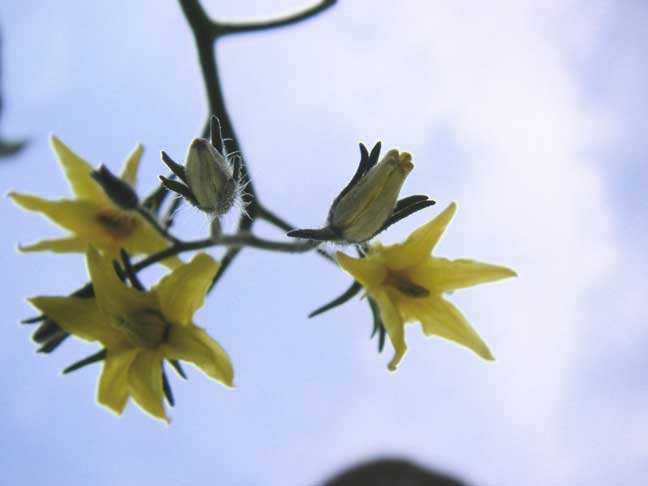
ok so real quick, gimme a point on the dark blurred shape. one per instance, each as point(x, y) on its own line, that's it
point(119, 191)
point(391, 472)
point(7, 147)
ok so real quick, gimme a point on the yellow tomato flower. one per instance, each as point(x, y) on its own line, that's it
point(141, 329)
point(408, 283)
point(92, 217)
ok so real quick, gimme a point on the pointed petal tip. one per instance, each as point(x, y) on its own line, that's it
point(58, 145)
point(398, 356)
point(13, 195)
point(484, 352)
point(343, 259)
point(505, 272)
point(54, 140)
point(118, 412)
point(38, 302)
point(228, 381)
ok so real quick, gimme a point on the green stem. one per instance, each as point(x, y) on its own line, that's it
point(202, 28)
point(203, 31)
point(233, 242)
point(282, 224)
point(273, 219)
point(223, 28)
point(206, 32)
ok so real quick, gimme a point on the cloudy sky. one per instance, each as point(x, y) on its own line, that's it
point(530, 115)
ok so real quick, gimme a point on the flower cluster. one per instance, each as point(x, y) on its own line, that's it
point(140, 330)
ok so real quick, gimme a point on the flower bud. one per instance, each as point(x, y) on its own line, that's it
point(211, 179)
point(361, 212)
point(119, 191)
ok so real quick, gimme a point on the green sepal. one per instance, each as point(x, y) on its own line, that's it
point(166, 386)
point(93, 358)
point(179, 188)
point(178, 368)
point(176, 168)
point(378, 326)
point(348, 294)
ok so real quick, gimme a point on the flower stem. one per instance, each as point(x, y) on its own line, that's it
point(206, 31)
point(233, 242)
point(224, 28)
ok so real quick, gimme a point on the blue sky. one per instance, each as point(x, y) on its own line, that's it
point(530, 115)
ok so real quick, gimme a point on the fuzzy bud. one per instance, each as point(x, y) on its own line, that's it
point(211, 179)
point(360, 213)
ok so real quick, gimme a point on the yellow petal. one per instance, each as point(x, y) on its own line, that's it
point(394, 325)
point(72, 244)
point(443, 275)
point(419, 245)
point(112, 295)
point(108, 229)
point(129, 172)
point(145, 383)
point(113, 390)
point(80, 317)
point(439, 317)
point(182, 292)
point(145, 239)
point(77, 172)
point(172, 262)
point(191, 343)
point(368, 271)
point(76, 216)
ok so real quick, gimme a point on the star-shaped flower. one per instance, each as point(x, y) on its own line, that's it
point(141, 329)
point(92, 217)
point(408, 284)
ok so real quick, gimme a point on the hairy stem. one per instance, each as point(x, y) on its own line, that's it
point(206, 32)
point(233, 242)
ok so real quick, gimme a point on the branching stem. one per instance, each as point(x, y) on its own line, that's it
point(233, 242)
point(206, 32)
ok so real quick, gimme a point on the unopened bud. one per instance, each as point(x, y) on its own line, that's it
point(361, 212)
point(119, 191)
point(211, 179)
